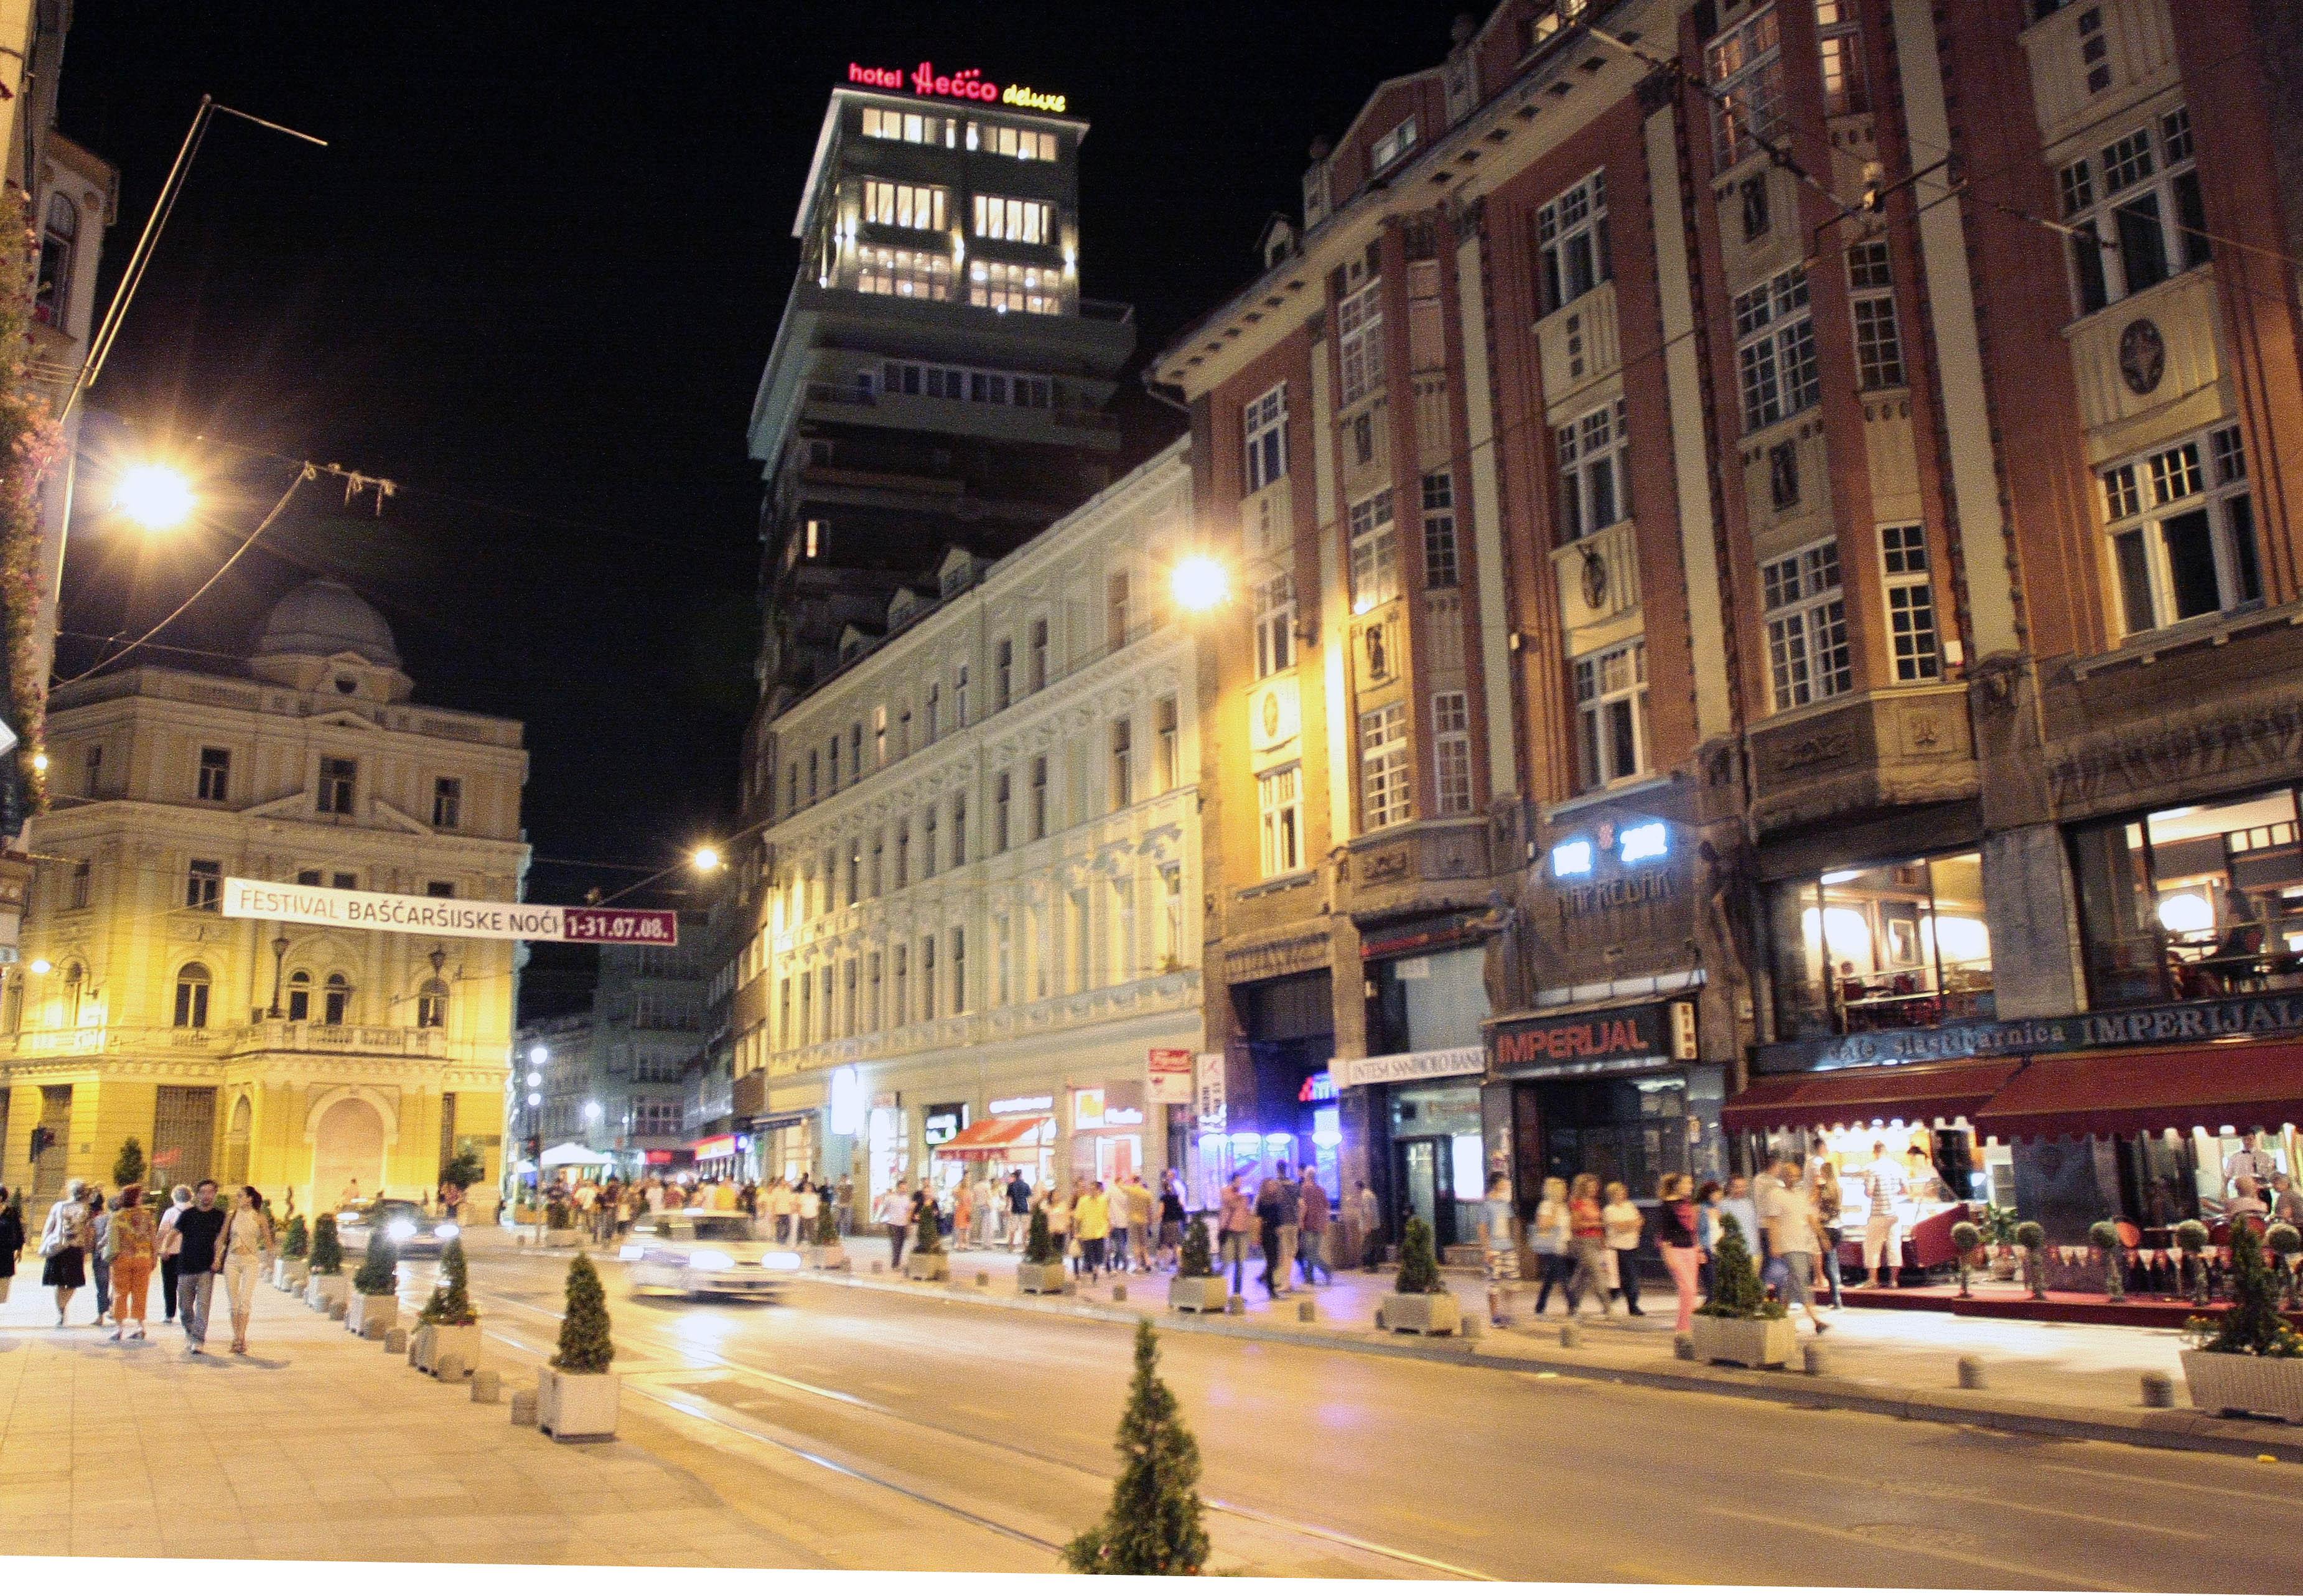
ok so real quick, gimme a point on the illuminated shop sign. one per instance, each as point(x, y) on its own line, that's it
point(1575, 1043)
point(1632, 845)
point(969, 85)
point(1318, 1089)
point(1022, 1105)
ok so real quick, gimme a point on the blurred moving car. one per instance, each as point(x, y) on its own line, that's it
point(408, 1227)
point(699, 1254)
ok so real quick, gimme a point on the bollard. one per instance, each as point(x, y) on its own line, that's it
point(395, 1342)
point(336, 1311)
point(1234, 1304)
point(877, 1266)
point(1682, 1347)
point(1472, 1329)
point(1971, 1374)
point(523, 1408)
point(1815, 1361)
point(1307, 1312)
point(983, 1277)
point(1571, 1334)
point(1119, 1294)
point(487, 1385)
point(2158, 1391)
point(450, 1367)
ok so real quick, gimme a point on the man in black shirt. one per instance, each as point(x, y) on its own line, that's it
point(201, 1226)
point(1020, 1207)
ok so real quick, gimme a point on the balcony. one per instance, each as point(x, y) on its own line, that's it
point(1863, 753)
point(265, 1036)
point(1577, 344)
point(302, 1037)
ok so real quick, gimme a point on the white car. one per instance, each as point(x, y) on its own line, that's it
point(698, 1254)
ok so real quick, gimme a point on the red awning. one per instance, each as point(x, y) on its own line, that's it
point(988, 1136)
point(1914, 1093)
point(2247, 1085)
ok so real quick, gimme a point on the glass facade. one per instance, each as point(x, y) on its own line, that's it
point(1880, 947)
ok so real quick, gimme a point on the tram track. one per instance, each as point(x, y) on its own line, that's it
point(662, 1345)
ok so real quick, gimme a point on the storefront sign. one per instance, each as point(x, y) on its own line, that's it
point(1316, 1089)
point(943, 1122)
point(1106, 1108)
point(2270, 1015)
point(1169, 1072)
point(1390, 1067)
point(969, 85)
point(1210, 1086)
point(658, 1155)
point(1631, 890)
point(1021, 1105)
point(245, 900)
point(714, 1147)
point(1574, 1043)
point(1275, 719)
point(1455, 930)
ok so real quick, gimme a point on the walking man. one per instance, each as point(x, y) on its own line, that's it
point(1366, 1215)
point(171, 1245)
point(202, 1228)
point(895, 1215)
point(1291, 1228)
point(1019, 1208)
point(1314, 1228)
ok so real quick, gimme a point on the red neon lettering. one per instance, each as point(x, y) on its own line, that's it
point(924, 78)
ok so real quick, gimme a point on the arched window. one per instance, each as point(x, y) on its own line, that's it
point(299, 994)
point(192, 997)
point(338, 1001)
point(52, 294)
point(432, 1004)
point(75, 986)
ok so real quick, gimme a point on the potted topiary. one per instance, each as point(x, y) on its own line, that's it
point(1418, 1301)
point(575, 1397)
point(1041, 1271)
point(2032, 1238)
point(2105, 1235)
point(2283, 1242)
point(2250, 1360)
point(1154, 1524)
point(1968, 1239)
point(928, 1261)
point(826, 1253)
point(375, 1306)
point(559, 1225)
point(2192, 1263)
point(1741, 1324)
point(448, 1323)
point(327, 1286)
point(1999, 1229)
point(1197, 1288)
point(292, 1270)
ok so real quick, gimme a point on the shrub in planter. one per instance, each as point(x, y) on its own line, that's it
point(1967, 1238)
point(927, 1260)
point(326, 1285)
point(2283, 1242)
point(2191, 1246)
point(448, 1322)
point(1741, 1324)
point(2105, 1235)
point(823, 1243)
point(575, 1397)
point(2249, 1359)
point(129, 1167)
point(1153, 1525)
point(1999, 1229)
point(298, 1242)
point(375, 1306)
point(2032, 1238)
point(1419, 1299)
point(1041, 1271)
point(1196, 1286)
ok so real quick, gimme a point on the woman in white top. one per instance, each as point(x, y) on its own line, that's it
point(243, 1252)
point(1624, 1222)
point(1548, 1242)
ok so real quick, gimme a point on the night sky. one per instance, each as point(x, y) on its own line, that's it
point(534, 280)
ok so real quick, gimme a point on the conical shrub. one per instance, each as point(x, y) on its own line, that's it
point(298, 1242)
point(1199, 1265)
point(1735, 1291)
point(584, 1343)
point(1153, 1525)
point(327, 1252)
point(2252, 1325)
point(1419, 1268)
point(379, 1271)
point(452, 1302)
point(1040, 1247)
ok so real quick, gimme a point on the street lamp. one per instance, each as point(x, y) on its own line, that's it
point(538, 1054)
point(707, 858)
point(39, 967)
point(1200, 582)
point(155, 497)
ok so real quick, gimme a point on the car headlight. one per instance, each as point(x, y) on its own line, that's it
point(447, 1230)
point(348, 1218)
point(399, 1229)
point(780, 1261)
point(710, 1260)
point(629, 1253)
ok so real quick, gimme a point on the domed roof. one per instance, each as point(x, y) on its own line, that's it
point(325, 618)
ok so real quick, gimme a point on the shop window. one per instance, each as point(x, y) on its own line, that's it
point(2199, 902)
point(1881, 947)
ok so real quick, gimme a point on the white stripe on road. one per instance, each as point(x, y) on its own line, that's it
point(1991, 1499)
point(2026, 1572)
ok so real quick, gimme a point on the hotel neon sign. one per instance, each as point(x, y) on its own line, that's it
point(923, 79)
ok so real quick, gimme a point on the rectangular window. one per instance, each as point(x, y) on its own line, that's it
point(447, 803)
point(215, 776)
point(1171, 914)
point(928, 977)
point(957, 937)
point(1024, 143)
point(928, 859)
point(1611, 715)
point(1038, 665)
point(1359, 333)
point(814, 770)
point(1163, 723)
point(1878, 340)
point(1003, 671)
point(439, 889)
point(903, 854)
point(784, 1012)
point(1279, 805)
point(903, 273)
point(1880, 946)
point(1039, 797)
point(1594, 472)
point(1384, 797)
point(1753, 194)
point(1911, 603)
point(856, 749)
point(999, 784)
point(203, 884)
point(854, 871)
point(77, 896)
point(959, 697)
point(1123, 763)
point(903, 984)
point(831, 763)
point(1018, 221)
point(1807, 653)
point(2136, 211)
point(855, 1015)
point(911, 127)
point(1003, 961)
point(879, 857)
point(904, 205)
point(339, 781)
point(1839, 50)
point(1115, 608)
point(1392, 146)
point(2181, 523)
point(959, 829)
point(1440, 567)
point(1375, 553)
point(345, 880)
point(1451, 726)
point(1572, 243)
point(1775, 350)
point(872, 991)
point(1264, 422)
point(1007, 285)
point(932, 712)
point(1743, 70)
point(1275, 625)
point(92, 770)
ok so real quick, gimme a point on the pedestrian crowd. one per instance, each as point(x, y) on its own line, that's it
point(791, 1208)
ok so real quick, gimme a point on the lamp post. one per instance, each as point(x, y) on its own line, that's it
point(279, 953)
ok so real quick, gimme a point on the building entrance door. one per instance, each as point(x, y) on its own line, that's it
point(348, 1146)
point(1427, 1189)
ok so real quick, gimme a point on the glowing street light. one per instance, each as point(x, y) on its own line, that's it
point(1200, 582)
point(39, 967)
point(535, 1100)
point(706, 858)
point(592, 1110)
point(155, 497)
point(538, 1054)
point(534, 1079)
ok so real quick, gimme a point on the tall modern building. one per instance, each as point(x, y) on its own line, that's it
point(938, 381)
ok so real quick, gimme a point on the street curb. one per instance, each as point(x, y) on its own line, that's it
point(2167, 1428)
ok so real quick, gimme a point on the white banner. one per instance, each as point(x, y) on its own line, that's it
point(245, 900)
point(1407, 1066)
point(1211, 1084)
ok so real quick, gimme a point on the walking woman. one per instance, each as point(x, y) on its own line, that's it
point(1624, 1222)
point(1676, 1240)
point(1706, 1234)
point(963, 1216)
point(12, 1237)
point(1586, 1235)
point(134, 1245)
point(1553, 1245)
point(1233, 1230)
point(244, 1251)
point(64, 1242)
point(1827, 1222)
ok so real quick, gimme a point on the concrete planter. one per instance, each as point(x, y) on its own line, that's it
point(575, 1406)
point(1201, 1294)
point(371, 1317)
point(434, 1342)
point(1420, 1312)
point(1040, 1279)
point(928, 1266)
point(291, 1273)
point(323, 1292)
point(1754, 1343)
point(2237, 1382)
point(834, 1256)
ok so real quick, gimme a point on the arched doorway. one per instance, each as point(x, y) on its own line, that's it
point(346, 1145)
point(235, 1145)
